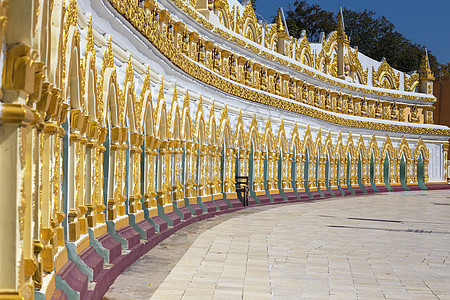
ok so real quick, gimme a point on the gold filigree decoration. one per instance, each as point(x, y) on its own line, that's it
point(271, 35)
point(356, 63)
point(323, 59)
point(303, 53)
point(248, 23)
point(141, 102)
point(90, 37)
point(411, 82)
point(224, 115)
point(385, 77)
point(166, 47)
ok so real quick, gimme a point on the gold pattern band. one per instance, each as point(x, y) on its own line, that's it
point(191, 68)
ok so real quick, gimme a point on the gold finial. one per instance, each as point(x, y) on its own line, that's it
point(200, 103)
point(161, 90)
point(146, 86)
point(224, 115)
point(108, 56)
point(90, 37)
point(175, 93)
point(129, 74)
point(279, 22)
point(425, 73)
point(342, 37)
point(240, 117)
point(186, 100)
point(212, 109)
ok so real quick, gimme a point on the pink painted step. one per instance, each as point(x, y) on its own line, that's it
point(76, 279)
point(277, 198)
point(162, 224)
point(113, 246)
point(186, 212)
point(128, 233)
point(221, 204)
point(237, 203)
point(59, 295)
point(174, 217)
point(93, 260)
point(149, 228)
point(264, 199)
point(210, 206)
point(197, 209)
point(382, 188)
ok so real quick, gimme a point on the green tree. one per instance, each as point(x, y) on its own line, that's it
point(374, 36)
point(311, 18)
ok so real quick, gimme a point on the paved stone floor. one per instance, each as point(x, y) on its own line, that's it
point(385, 246)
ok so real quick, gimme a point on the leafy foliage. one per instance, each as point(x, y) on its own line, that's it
point(374, 36)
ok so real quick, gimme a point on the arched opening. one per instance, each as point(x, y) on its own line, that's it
point(306, 173)
point(360, 174)
point(294, 165)
point(387, 172)
point(339, 177)
point(403, 172)
point(421, 172)
point(317, 172)
point(349, 174)
point(328, 174)
point(373, 173)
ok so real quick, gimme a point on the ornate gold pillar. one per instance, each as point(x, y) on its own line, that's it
point(151, 144)
point(92, 134)
point(195, 176)
point(322, 161)
point(188, 175)
point(99, 175)
point(113, 177)
point(134, 204)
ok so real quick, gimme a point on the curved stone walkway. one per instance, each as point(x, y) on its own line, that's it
point(383, 246)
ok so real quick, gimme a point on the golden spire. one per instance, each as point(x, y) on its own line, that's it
point(342, 37)
point(175, 93)
point(280, 26)
point(425, 73)
point(161, 90)
point(90, 37)
point(186, 100)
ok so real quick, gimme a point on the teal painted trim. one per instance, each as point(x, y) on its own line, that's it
point(421, 173)
point(280, 177)
point(188, 205)
point(163, 215)
point(317, 178)
point(349, 186)
point(62, 285)
point(39, 295)
point(266, 173)
point(372, 174)
point(112, 231)
point(177, 210)
point(338, 170)
point(360, 183)
point(200, 203)
point(327, 176)
point(386, 173)
point(98, 247)
point(136, 227)
point(294, 175)
point(251, 175)
point(149, 219)
point(306, 174)
point(73, 256)
point(403, 174)
point(225, 198)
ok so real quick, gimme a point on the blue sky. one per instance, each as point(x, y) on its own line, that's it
point(424, 22)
